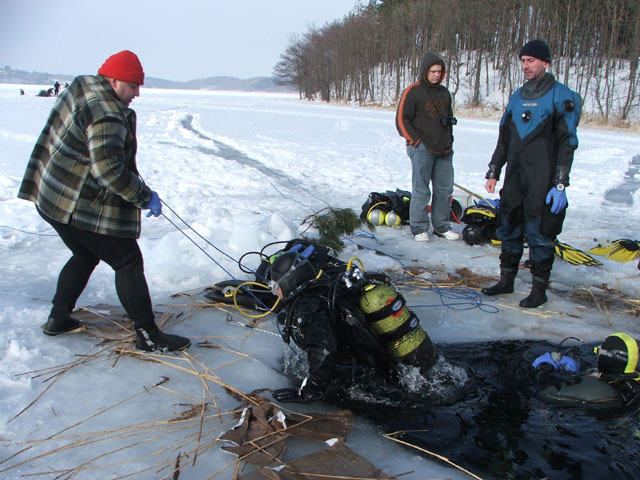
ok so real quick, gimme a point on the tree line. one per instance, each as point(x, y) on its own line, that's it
point(372, 54)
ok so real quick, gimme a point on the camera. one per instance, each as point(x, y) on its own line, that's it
point(448, 121)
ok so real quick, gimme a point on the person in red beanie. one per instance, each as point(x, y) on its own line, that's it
point(125, 75)
point(83, 178)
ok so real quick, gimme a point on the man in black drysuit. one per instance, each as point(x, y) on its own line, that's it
point(537, 141)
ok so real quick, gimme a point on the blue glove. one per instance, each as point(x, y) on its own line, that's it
point(558, 200)
point(154, 206)
point(545, 359)
point(568, 364)
point(557, 361)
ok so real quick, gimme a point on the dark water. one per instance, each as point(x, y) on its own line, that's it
point(500, 429)
point(624, 192)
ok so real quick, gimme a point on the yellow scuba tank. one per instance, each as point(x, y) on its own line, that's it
point(397, 327)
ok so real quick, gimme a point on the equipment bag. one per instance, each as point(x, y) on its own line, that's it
point(482, 221)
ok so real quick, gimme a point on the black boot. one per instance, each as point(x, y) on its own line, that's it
point(508, 272)
point(537, 296)
point(151, 339)
point(540, 273)
point(505, 284)
point(56, 326)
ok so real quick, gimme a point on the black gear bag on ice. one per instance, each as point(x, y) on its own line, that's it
point(397, 202)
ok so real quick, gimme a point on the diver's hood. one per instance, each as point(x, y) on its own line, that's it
point(289, 271)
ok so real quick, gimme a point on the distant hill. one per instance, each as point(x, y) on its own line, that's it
point(8, 75)
point(256, 84)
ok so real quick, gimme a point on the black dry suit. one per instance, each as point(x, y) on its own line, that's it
point(338, 314)
point(537, 141)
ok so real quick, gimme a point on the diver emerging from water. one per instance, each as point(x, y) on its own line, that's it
point(337, 314)
point(615, 383)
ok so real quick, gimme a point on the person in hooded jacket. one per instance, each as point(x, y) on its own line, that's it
point(425, 119)
point(537, 141)
point(82, 177)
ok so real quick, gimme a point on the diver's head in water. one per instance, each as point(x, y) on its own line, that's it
point(618, 354)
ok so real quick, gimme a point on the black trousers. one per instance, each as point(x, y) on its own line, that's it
point(121, 254)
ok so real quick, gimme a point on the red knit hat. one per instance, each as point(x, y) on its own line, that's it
point(123, 66)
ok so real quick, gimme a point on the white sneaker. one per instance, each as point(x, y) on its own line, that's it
point(422, 237)
point(449, 235)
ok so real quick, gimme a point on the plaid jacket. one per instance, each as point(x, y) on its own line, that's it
point(82, 170)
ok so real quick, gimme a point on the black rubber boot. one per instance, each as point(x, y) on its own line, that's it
point(66, 325)
point(508, 272)
point(505, 284)
point(540, 273)
point(537, 296)
point(151, 339)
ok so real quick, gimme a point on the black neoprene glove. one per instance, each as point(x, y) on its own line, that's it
point(308, 392)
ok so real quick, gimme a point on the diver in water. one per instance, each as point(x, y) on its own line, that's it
point(337, 314)
point(615, 383)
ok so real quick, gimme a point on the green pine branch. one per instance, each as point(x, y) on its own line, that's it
point(332, 224)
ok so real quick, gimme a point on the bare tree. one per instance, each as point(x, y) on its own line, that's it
point(373, 53)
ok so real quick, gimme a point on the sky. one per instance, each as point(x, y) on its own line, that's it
point(175, 40)
point(244, 170)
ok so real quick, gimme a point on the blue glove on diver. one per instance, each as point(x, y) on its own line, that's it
point(557, 361)
point(154, 206)
point(557, 198)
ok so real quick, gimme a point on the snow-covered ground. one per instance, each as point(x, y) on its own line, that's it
point(244, 170)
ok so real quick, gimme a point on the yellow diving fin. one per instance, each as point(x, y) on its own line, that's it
point(621, 250)
point(625, 250)
point(601, 250)
point(573, 255)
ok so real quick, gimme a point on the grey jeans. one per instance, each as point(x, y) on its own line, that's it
point(437, 170)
